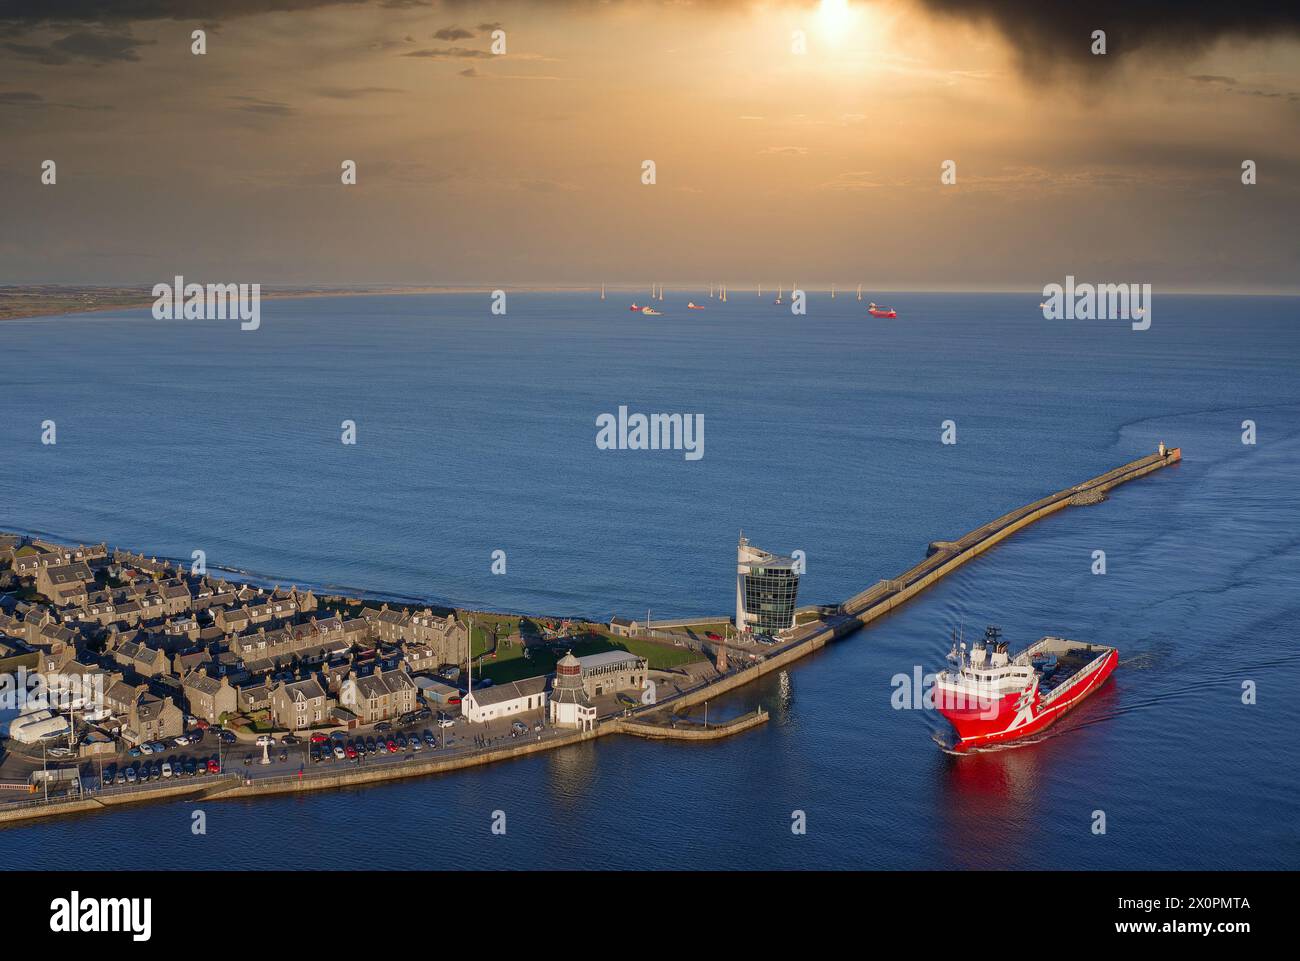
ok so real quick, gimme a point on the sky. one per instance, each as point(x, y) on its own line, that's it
point(771, 164)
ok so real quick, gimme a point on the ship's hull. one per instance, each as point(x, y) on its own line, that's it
point(1020, 713)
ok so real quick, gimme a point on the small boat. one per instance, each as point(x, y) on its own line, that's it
point(778, 295)
point(635, 307)
point(692, 305)
point(602, 291)
point(651, 311)
point(877, 311)
point(859, 291)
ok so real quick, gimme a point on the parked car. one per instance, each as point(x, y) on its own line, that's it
point(213, 766)
point(291, 739)
point(228, 737)
point(144, 748)
point(519, 727)
point(319, 738)
point(196, 735)
point(315, 754)
point(130, 775)
point(248, 759)
point(383, 726)
point(284, 755)
point(382, 747)
point(350, 751)
point(265, 740)
point(401, 740)
point(414, 744)
point(191, 768)
point(339, 752)
point(134, 752)
point(429, 739)
point(201, 724)
point(537, 728)
point(166, 770)
point(158, 746)
point(445, 721)
point(182, 741)
point(423, 714)
point(392, 747)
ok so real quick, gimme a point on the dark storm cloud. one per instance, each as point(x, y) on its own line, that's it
point(1049, 34)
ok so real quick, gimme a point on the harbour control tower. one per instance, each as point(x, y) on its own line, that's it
point(766, 589)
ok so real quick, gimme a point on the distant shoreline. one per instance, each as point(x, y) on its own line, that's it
point(31, 302)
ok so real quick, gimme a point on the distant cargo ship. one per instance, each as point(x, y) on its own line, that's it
point(991, 697)
point(875, 310)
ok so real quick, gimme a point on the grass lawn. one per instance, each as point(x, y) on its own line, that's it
point(511, 665)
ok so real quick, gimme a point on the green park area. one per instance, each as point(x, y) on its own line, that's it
point(501, 654)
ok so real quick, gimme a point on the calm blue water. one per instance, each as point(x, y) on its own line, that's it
point(476, 433)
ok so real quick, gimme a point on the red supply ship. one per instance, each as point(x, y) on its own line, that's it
point(875, 310)
point(992, 697)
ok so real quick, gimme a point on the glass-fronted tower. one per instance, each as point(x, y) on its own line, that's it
point(766, 589)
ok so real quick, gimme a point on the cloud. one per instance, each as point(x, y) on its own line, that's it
point(470, 72)
point(448, 53)
point(30, 98)
point(257, 105)
point(453, 33)
point(787, 151)
point(85, 45)
point(352, 93)
point(1048, 36)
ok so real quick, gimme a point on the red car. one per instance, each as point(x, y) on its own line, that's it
point(319, 738)
point(201, 724)
point(392, 747)
point(213, 766)
point(713, 635)
point(351, 752)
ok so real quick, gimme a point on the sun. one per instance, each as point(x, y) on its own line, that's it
point(835, 18)
point(834, 15)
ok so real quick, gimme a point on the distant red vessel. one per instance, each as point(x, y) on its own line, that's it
point(876, 311)
point(634, 307)
point(991, 697)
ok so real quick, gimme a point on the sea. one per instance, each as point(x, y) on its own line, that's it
point(476, 432)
